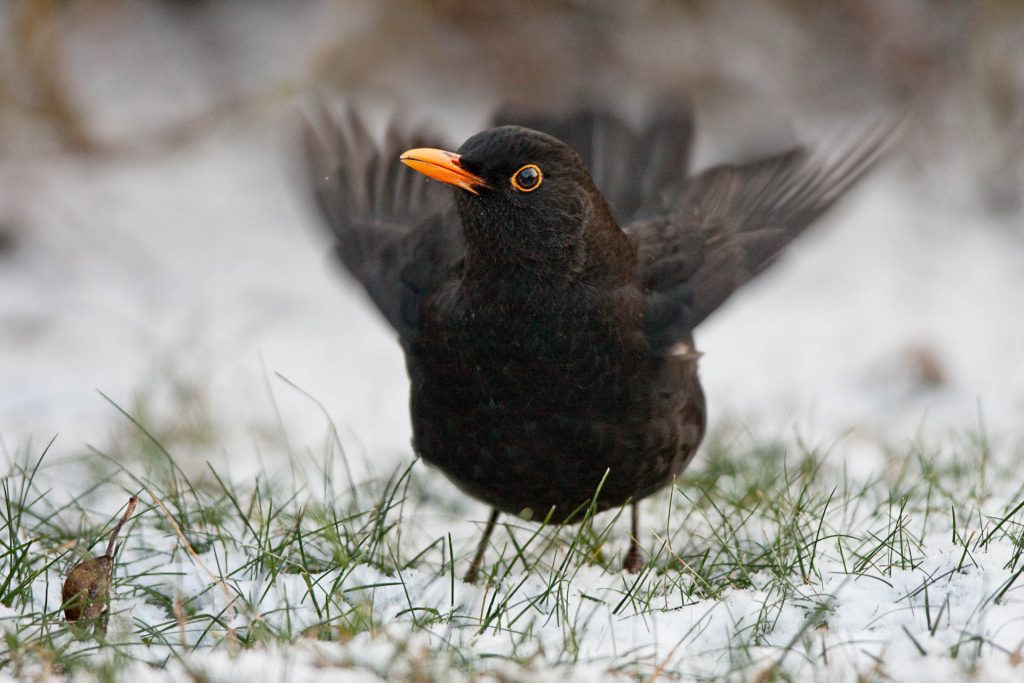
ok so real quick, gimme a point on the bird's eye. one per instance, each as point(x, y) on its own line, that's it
point(528, 178)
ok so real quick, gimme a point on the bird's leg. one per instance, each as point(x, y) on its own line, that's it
point(474, 568)
point(634, 561)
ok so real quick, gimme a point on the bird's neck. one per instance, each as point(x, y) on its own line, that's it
point(595, 254)
point(493, 265)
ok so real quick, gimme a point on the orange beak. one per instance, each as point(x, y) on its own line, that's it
point(444, 166)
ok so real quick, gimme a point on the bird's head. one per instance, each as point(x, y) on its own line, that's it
point(524, 198)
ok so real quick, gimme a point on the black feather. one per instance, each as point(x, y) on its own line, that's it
point(397, 234)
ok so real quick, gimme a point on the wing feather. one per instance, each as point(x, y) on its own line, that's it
point(730, 223)
point(397, 235)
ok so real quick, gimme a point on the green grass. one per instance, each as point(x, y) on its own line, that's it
point(213, 562)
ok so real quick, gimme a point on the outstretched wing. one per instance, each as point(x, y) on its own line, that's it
point(638, 170)
point(729, 224)
point(395, 233)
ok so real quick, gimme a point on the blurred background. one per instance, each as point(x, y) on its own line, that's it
point(158, 242)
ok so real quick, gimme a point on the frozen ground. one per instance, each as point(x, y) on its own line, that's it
point(191, 286)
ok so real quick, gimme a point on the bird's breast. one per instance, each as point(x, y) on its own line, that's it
point(526, 402)
point(532, 349)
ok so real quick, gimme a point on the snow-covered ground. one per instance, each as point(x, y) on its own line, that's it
point(194, 278)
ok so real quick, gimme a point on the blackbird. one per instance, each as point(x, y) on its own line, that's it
point(547, 313)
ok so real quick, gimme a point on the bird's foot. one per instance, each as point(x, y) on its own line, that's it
point(478, 559)
point(634, 561)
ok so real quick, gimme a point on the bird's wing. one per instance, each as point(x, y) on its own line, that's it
point(637, 170)
point(729, 224)
point(397, 235)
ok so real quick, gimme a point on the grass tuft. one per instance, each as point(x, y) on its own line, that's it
point(759, 561)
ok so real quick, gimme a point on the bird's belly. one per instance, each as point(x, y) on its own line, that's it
point(528, 432)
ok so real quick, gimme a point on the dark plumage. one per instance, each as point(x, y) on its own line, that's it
point(546, 346)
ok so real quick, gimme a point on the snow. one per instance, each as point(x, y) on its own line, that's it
point(857, 620)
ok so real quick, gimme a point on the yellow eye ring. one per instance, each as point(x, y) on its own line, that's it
point(528, 178)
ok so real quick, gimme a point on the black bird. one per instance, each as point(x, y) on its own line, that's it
point(550, 351)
